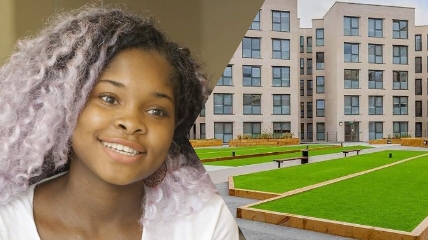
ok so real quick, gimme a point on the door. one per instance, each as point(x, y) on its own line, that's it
point(352, 131)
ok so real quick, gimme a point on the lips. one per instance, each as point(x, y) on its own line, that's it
point(117, 156)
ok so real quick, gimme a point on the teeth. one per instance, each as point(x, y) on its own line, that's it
point(121, 149)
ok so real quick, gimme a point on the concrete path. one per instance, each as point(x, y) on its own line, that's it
point(256, 230)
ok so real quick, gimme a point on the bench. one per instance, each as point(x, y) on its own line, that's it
point(279, 161)
point(353, 150)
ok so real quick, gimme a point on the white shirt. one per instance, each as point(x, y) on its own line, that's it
point(214, 221)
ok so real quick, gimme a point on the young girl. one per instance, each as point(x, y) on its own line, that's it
point(94, 115)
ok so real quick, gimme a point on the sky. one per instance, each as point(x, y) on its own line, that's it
point(313, 9)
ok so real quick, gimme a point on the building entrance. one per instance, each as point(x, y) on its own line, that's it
point(352, 131)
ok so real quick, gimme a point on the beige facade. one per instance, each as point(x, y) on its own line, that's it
point(355, 80)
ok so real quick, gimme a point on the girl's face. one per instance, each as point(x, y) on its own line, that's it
point(126, 128)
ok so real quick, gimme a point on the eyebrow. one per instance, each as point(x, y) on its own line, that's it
point(117, 84)
point(162, 95)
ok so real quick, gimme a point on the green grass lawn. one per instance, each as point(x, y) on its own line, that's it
point(393, 198)
point(204, 153)
point(256, 160)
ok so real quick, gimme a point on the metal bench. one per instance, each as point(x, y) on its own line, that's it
point(353, 150)
point(303, 160)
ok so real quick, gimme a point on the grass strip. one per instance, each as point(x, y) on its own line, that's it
point(392, 198)
point(204, 153)
point(265, 159)
point(290, 178)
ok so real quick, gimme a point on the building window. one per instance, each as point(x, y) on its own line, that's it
point(320, 131)
point(281, 127)
point(226, 78)
point(375, 79)
point(223, 131)
point(400, 54)
point(418, 64)
point(302, 44)
point(281, 76)
point(302, 131)
point(351, 27)
point(302, 66)
point(251, 76)
point(309, 110)
point(319, 34)
point(418, 109)
point(400, 129)
point(375, 53)
point(309, 44)
point(302, 109)
point(202, 134)
point(418, 42)
point(281, 49)
point(352, 78)
point(320, 108)
point(320, 84)
point(400, 80)
point(418, 129)
point(281, 104)
point(351, 51)
point(280, 21)
point(309, 88)
point(252, 128)
point(302, 87)
point(418, 87)
point(310, 132)
point(399, 29)
point(400, 105)
point(223, 103)
point(202, 114)
point(375, 105)
point(320, 60)
point(375, 130)
point(251, 47)
point(352, 105)
point(309, 68)
point(255, 25)
point(375, 27)
point(252, 104)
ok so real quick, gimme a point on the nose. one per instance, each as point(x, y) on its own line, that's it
point(130, 121)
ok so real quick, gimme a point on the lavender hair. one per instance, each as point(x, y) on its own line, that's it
point(45, 84)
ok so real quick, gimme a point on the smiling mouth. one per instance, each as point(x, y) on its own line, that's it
point(125, 150)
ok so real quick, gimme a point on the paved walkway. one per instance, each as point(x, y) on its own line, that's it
point(256, 230)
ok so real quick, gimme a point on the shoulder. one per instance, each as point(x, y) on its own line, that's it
point(16, 217)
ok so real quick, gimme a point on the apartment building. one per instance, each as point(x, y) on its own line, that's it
point(357, 74)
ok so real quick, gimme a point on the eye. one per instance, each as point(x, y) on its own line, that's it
point(156, 112)
point(109, 99)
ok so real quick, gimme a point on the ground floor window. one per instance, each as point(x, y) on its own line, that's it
point(223, 131)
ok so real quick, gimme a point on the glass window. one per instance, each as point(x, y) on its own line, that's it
point(302, 109)
point(375, 27)
point(279, 128)
point(310, 132)
point(375, 79)
point(309, 88)
point(309, 109)
point(281, 76)
point(223, 130)
point(375, 105)
point(375, 130)
point(352, 78)
point(320, 108)
point(223, 103)
point(252, 104)
point(418, 109)
point(375, 53)
point(352, 105)
point(418, 129)
point(309, 44)
point(418, 64)
point(320, 131)
point(302, 66)
point(400, 129)
point(302, 87)
point(255, 25)
point(202, 134)
point(418, 42)
point(251, 47)
point(302, 44)
point(319, 34)
point(400, 54)
point(351, 52)
point(281, 104)
point(400, 106)
point(320, 84)
point(320, 60)
point(281, 49)
point(252, 128)
point(309, 67)
point(202, 114)
point(400, 80)
point(399, 29)
point(418, 86)
point(280, 21)
point(226, 78)
point(302, 131)
point(351, 26)
point(251, 76)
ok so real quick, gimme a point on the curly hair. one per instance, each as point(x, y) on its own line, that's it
point(45, 85)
